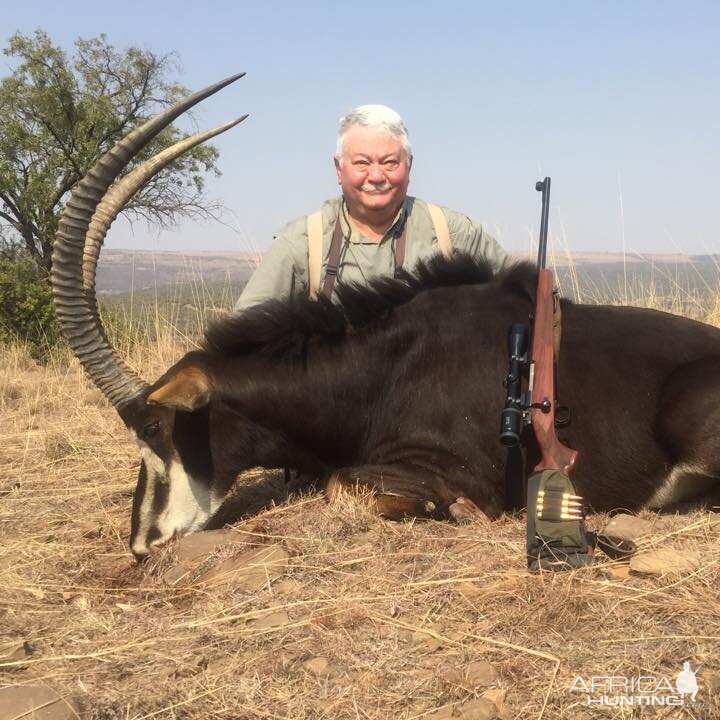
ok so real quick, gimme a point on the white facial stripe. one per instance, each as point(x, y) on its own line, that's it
point(189, 505)
point(154, 469)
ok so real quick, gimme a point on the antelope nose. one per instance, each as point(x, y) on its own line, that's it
point(140, 551)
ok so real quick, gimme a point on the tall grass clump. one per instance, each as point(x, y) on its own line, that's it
point(151, 329)
point(687, 287)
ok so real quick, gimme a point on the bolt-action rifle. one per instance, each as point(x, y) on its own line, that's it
point(557, 538)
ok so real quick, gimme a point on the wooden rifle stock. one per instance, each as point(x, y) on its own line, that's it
point(554, 455)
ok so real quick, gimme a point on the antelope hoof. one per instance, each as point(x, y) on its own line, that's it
point(465, 511)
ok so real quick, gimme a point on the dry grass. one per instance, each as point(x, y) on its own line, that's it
point(394, 608)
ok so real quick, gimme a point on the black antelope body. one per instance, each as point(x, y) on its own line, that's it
point(398, 389)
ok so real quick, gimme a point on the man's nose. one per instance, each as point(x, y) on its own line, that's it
point(375, 174)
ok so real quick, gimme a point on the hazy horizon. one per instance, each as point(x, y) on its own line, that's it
point(617, 102)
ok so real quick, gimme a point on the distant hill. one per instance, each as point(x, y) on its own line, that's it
point(589, 274)
point(654, 279)
point(122, 271)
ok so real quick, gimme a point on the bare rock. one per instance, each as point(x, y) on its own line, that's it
point(615, 572)
point(37, 593)
point(627, 527)
point(667, 524)
point(35, 701)
point(444, 713)
point(666, 561)
point(190, 550)
point(273, 619)
point(185, 667)
point(80, 601)
point(496, 696)
point(179, 573)
point(480, 709)
point(711, 682)
point(288, 586)
point(249, 571)
point(12, 661)
point(476, 674)
point(318, 666)
point(201, 544)
point(426, 640)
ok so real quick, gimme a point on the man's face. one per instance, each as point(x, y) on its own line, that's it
point(374, 170)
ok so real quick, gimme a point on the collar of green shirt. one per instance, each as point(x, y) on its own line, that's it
point(355, 236)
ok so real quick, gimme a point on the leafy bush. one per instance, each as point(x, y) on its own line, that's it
point(27, 313)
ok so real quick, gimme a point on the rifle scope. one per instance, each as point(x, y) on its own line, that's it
point(511, 418)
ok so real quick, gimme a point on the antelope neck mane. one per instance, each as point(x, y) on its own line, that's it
point(280, 329)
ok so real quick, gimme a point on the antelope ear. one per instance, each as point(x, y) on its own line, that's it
point(187, 389)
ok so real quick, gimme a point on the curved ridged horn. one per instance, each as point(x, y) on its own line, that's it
point(123, 190)
point(85, 221)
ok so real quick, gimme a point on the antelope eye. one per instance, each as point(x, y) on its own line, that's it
point(152, 428)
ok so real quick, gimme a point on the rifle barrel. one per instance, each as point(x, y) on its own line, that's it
point(543, 186)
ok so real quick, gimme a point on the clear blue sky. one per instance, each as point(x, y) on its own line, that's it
point(617, 101)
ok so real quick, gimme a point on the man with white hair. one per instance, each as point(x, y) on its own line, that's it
point(373, 229)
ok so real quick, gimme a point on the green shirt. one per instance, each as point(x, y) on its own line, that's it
point(284, 268)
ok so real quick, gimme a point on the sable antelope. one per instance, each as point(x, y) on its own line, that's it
point(397, 389)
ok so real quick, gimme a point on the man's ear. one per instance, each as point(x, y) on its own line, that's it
point(187, 389)
point(337, 169)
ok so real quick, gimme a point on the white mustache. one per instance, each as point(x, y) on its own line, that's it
point(379, 187)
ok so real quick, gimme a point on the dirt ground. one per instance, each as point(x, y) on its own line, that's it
point(353, 616)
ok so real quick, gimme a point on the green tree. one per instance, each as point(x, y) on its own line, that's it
point(59, 114)
point(26, 309)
